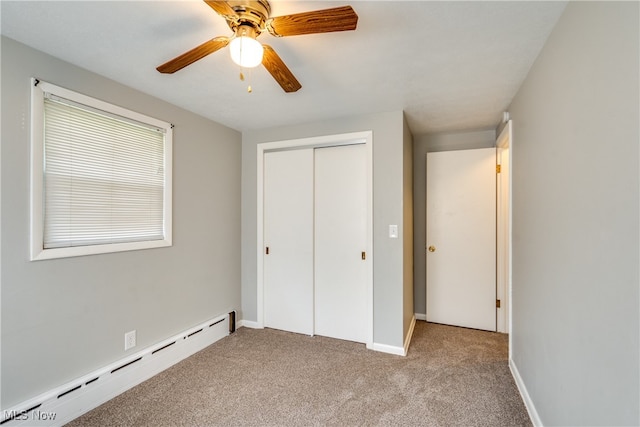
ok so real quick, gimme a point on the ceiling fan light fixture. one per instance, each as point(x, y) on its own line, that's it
point(245, 50)
point(250, 18)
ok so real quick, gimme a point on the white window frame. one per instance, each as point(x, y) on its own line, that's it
point(38, 90)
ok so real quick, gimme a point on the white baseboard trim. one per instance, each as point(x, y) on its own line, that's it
point(528, 403)
point(391, 349)
point(67, 402)
point(385, 348)
point(249, 324)
point(421, 316)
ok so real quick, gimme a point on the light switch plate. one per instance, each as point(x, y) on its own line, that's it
point(393, 231)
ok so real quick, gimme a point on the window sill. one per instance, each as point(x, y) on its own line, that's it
point(38, 254)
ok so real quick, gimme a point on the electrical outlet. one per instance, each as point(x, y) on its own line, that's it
point(129, 340)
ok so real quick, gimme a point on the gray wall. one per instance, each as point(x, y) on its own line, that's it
point(67, 317)
point(421, 146)
point(575, 220)
point(388, 163)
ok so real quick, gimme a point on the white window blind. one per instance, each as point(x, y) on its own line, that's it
point(101, 176)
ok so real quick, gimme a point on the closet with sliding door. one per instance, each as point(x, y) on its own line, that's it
point(315, 240)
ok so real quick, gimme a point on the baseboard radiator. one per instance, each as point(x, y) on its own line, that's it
point(67, 402)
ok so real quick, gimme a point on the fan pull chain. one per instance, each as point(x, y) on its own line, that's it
point(242, 78)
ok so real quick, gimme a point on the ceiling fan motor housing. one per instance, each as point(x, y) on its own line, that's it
point(249, 13)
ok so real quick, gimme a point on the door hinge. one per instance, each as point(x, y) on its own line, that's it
point(498, 169)
point(497, 303)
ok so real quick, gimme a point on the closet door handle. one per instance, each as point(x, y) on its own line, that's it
point(364, 255)
point(267, 251)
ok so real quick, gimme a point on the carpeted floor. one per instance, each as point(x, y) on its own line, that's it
point(451, 377)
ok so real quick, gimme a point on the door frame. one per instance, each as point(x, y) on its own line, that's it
point(504, 233)
point(365, 137)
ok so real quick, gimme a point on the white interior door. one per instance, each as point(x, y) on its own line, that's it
point(340, 240)
point(461, 238)
point(288, 239)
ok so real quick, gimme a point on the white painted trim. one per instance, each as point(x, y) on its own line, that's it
point(249, 324)
point(421, 316)
point(407, 340)
point(365, 137)
point(36, 220)
point(390, 349)
point(79, 396)
point(1, 255)
point(528, 403)
point(504, 141)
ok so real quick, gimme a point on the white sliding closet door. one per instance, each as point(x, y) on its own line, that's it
point(340, 241)
point(288, 238)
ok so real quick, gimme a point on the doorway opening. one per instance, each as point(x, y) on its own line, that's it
point(501, 263)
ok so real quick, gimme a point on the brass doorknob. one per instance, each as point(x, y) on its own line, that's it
point(432, 248)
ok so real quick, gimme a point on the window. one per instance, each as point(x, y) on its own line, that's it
point(101, 176)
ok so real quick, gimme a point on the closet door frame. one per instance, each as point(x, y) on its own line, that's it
point(366, 138)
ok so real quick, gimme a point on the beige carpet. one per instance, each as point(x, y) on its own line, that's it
point(451, 377)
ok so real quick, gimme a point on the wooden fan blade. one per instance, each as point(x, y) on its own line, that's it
point(193, 55)
point(320, 21)
point(279, 70)
point(221, 7)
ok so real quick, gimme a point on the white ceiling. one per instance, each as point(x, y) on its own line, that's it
point(450, 65)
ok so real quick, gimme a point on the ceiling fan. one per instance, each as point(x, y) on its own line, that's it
point(248, 19)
